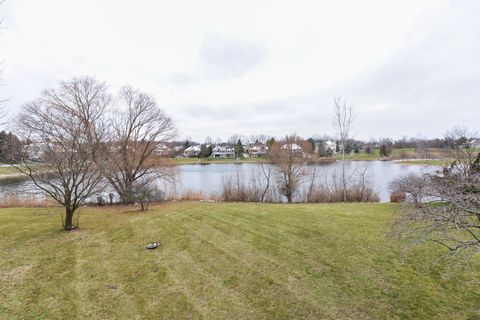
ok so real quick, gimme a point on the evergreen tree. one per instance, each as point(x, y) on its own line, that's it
point(270, 142)
point(239, 148)
point(10, 147)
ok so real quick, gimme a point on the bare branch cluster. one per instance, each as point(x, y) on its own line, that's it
point(74, 140)
point(61, 128)
point(137, 131)
point(288, 157)
point(445, 206)
point(343, 118)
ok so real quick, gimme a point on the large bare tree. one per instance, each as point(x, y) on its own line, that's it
point(63, 131)
point(137, 131)
point(446, 204)
point(459, 141)
point(3, 111)
point(344, 116)
point(288, 157)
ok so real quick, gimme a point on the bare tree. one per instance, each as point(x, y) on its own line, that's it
point(3, 111)
point(234, 138)
point(290, 162)
point(63, 132)
point(264, 180)
point(343, 120)
point(262, 138)
point(256, 188)
point(136, 134)
point(421, 146)
point(459, 140)
point(448, 211)
point(413, 186)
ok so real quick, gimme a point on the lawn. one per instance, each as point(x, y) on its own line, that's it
point(401, 153)
point(11, 171)
point(224, 261)
point(428, 162)
point(8, 170)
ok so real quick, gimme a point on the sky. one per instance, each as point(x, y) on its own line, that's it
point(219, 68)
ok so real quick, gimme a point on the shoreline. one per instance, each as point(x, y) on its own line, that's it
point(436, 162)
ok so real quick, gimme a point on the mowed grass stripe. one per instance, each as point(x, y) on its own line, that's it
point(232, 268)
point(230, 261)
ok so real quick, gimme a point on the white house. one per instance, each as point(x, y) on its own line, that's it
point(192, 151)
point(162, 150)
point(292, 146)
point(330, 147)
point(36, 151)
point(325, 147)
point(475, 143)
point(223, 151)
point(257, 149)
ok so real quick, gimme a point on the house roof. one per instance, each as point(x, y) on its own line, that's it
point(291, 146)
point(193, 148)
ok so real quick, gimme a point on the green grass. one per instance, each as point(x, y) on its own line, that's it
point(223, 261)
point(429, 162)
point(8, 170)
point(361, 156)
point(375, 154)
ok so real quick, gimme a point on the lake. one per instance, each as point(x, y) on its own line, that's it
point(208, 178)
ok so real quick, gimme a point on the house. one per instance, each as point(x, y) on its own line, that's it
point(162, 150)
point(475, 143)
point(257, 149)
point(223, 151)
point(329, 148)
point(192, 151)
point(325, 148)
point(294, 148)
point(37, 150)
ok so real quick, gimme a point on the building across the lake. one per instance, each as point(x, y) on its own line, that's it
point(192, 151)
point(325, 148)
point(257, 149)
point(223, 151)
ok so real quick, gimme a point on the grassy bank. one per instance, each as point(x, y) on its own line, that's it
point(440, 156)
point(4, 170)
point(7, 171)
point(429, 162)
point(400, 153)
point(230, 261)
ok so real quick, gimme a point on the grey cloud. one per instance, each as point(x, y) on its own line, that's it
point(429, 85)
point(224, 58)
point(183, 79)
point(305, 115)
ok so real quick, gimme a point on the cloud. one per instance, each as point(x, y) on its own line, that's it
point(259, 67)
point(227, 57)
point(427, 85)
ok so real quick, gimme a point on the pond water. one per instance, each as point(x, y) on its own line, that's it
point(208, 178)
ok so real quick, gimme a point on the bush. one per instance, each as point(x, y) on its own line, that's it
point(396, 197)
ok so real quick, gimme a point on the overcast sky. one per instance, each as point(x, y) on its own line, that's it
point(251, 67)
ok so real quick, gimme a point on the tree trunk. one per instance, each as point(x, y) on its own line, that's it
point(289, 198)
point(68, 225)
point(344, 182)
point(127, 195)
point(127, 198)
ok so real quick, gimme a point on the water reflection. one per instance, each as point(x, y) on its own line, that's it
point(208, 178)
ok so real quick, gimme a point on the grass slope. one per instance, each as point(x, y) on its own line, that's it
point(229, 261)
